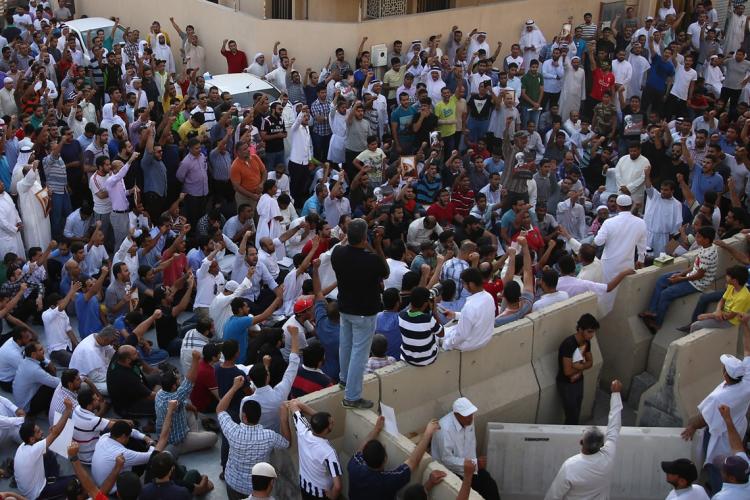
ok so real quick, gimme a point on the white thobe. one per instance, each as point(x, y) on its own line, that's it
point(475, 326)
point(573, 90)
point(737, 398)
point(632, 174)
point(640, 66)
point(533, 38)
point(736, 27)
point(618, 251)
point(36, 228)
point(10, 236)
point(9, 422)
point(453, 443)
point(623, 72)
point(590, 476)
point(663, 218)
point(268, 225)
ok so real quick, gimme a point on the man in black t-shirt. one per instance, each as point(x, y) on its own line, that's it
point(573, 358)
point(273, 134)
point(127, 386)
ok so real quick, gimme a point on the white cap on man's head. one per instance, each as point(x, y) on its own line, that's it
point(733, 366)
point(464, 407)
point(231, 286)
point(624, 200)
point(8, 79)
point(264, 469)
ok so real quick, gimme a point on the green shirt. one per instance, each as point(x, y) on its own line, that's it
point(532, 85)
point(446, 112)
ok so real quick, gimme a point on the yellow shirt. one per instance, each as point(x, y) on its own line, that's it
point(736, 302)
point(187, 131)
point(446, 112)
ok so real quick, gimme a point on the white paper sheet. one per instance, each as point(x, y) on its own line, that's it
point(60, 445)
point(391, 426)
point(577, 356)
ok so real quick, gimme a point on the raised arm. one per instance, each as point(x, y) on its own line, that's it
point(735, 441)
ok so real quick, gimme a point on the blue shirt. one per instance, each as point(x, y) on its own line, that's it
point(89, 320)
point(328, 334)
point(312, 205)
point(62, 259)
point(702, 183)
point(195, 258)
point(154, 175)
point(386, 322)
point(4, 171)
point(493, 167)
point(403, 119)
point(29, 378)
point(236, 328)
point(366, 483)
point(659, 72)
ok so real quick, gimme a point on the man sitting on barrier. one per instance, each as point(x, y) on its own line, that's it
point(456, 440)
point(734, 302)
point(671, 286)
point(589, 474)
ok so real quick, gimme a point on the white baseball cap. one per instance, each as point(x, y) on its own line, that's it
point(264, 469)
point(732, 365)
point(464, 407)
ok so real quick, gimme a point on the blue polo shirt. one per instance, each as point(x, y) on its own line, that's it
point(702, 183)
point(89, 320)
point(236, 328)
point(328, 334)
point(659, 72)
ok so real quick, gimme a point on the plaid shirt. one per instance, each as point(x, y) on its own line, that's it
point(57, 405)
point(374, 363)
point(321, 108)
point(180, 427)
point(452, 271)
point(248, 445)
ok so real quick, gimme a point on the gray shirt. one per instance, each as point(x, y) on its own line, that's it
point(114, 294)
point(356, 135)
point(11, 355)
point(735, 73)
point(29, 378)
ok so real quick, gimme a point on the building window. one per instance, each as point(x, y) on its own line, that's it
point(384, 8)
point(430, 5)
point(281, 9)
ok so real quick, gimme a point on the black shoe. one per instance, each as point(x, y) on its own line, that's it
point(361, 404)
point(684, 329)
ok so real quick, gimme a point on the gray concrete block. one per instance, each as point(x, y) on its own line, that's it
point(638, 386)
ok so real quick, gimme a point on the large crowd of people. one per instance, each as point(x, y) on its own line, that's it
point(364, 216)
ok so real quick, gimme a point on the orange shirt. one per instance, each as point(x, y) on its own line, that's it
point(248, 174)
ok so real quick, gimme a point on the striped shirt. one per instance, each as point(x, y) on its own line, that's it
point(86, 431)
point(318, 462)
point(418, 343)
point(57, 176)
point(589, 30)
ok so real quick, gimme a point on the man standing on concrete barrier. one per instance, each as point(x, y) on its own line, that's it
point(619, 251)
point(589, 474)
point(734, 392)
point(456, 441)
point(360, 271)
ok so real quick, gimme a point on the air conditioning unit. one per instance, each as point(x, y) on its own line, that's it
point(379, 55)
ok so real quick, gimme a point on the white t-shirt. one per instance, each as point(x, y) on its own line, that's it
point(694, 32)
point(682, 79)
point(56, 326)
point(105, 454)
point(88, 427)
point(695, 492)
point(397, 271)
point(548, 299)
point(96, 184)
point(29, 468)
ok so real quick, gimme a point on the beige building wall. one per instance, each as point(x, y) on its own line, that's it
point(312, 42)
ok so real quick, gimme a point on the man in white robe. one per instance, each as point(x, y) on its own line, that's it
point(618, 251)
point(258, 66)
point(36, 225)
point(663, 215)
point(736, 29)
point(269, 214)
point(623, 72)
point(640, 66)
point(573, 87)
point(10, 225)
point(531, 42)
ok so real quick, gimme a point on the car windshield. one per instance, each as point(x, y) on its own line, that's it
point(245, 99)
point(119, 33)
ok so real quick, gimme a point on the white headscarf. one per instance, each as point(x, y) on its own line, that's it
point(17, 174)
point(256, 68)
point(109, 118)
point(434, 86)
point(163, 52)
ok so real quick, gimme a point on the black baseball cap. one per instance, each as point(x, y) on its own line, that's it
point(683, 467)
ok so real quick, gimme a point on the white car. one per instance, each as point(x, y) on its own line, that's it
point(242, 86)
point(82, 27)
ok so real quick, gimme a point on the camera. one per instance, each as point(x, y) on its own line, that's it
point(436, 291)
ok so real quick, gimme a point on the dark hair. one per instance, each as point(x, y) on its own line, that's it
point(414, 491)
point(320, 421)
point(259, 375)
point(85, 397)
point(566, 264)
point(261, 483)
point(168, 380)
point(512, 292)
point(68, 376)
point(550, 277)
point(374, 454)
point(313, 354)
point(739, 273)
point(120, 428)
point(587, 322)
point(237, 304)
point(27, 429)
point(391, 297)
point(230, 348)
point(128, 485)
point(709, 232)
point(161, 464)
point(251, 409)
point(419, 296)
point(409, 280)
point(472, 275)
point(449, 289)
point(210, 351)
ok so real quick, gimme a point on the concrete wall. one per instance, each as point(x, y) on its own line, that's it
point(502, 21)
point(691, 370)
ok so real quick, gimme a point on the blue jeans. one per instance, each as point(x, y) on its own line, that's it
point(273, 159)
point(704, 301)
point(664, 294)
point(530, 114)
point(477, 129)
point(354, 349)
point(61, 208)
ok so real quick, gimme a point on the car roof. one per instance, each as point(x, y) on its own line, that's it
point(90, 23)
point(238, 83)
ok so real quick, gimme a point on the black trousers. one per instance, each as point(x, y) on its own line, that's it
point(572, 396)
point(550, 99)
point(41, 400)
point(154, 204)
point(731, 96)
point(652, 97)
point(675, 107)
point(194, 208)
point(299, 181)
